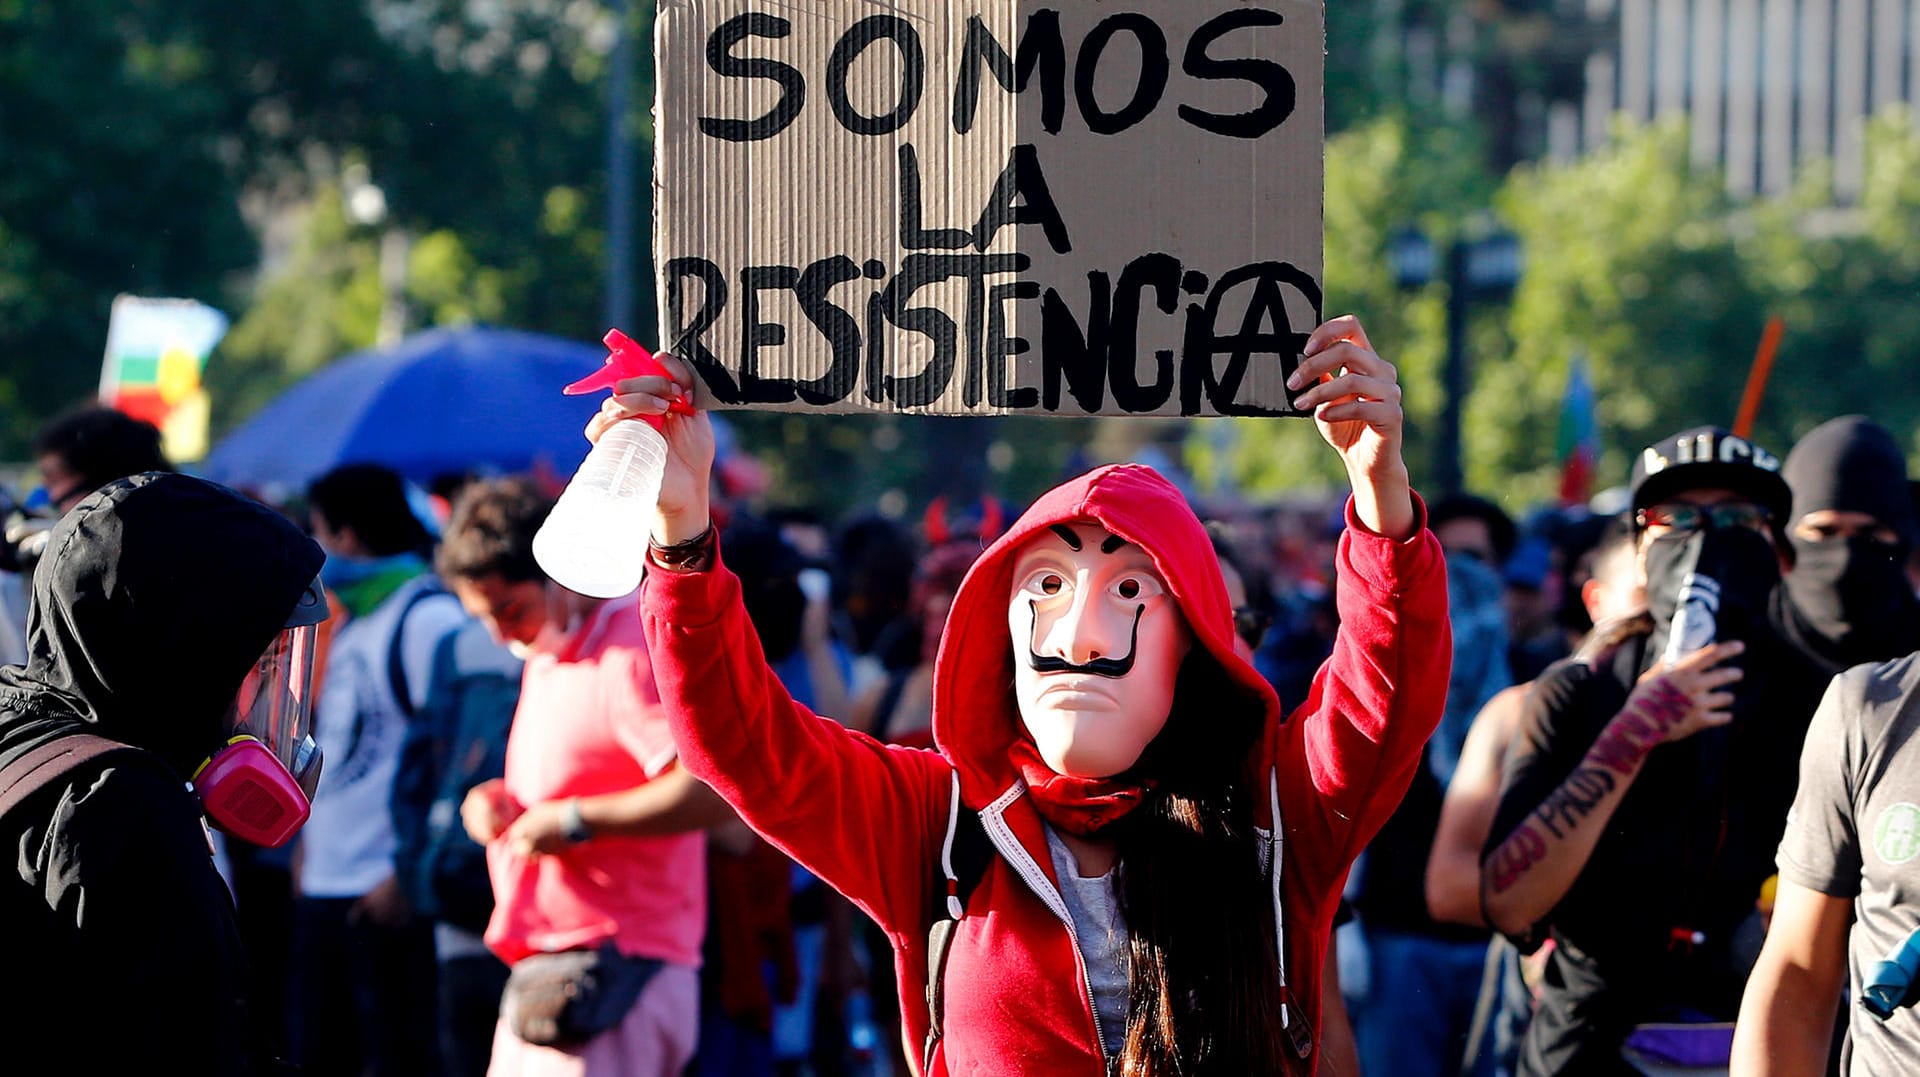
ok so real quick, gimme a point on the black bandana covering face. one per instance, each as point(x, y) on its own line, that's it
point(1739, 559)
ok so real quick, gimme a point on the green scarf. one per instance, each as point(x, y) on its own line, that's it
point(361, 584)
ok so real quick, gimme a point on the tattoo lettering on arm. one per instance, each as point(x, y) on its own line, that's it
point(1614, 759)
point(1577, 796)
point(1523, 849)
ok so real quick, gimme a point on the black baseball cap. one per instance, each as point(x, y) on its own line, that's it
point(1709, 456)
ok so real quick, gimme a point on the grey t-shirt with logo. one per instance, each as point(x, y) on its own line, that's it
point(1854, 832)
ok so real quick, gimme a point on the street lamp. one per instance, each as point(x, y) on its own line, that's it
point(366, 206)
point(1483, 264)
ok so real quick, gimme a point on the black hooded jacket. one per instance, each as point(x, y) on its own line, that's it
point(155, 597)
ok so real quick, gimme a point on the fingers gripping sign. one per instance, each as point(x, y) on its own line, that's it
point(1356, 405)
point(1359, 392)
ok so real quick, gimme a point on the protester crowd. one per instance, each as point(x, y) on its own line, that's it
point(1616, 841)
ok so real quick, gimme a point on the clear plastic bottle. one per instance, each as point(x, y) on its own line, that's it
point(595, 539)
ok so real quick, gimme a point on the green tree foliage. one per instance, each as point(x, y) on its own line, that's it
point(1846, 286)
point(1632, 261)
point(1637, 260)
point(116, 179)
point(137, 132)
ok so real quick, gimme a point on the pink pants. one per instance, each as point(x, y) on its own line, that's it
point(656, 1039)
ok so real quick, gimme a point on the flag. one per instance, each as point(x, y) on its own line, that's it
point(156, 350)
point(1578, 444)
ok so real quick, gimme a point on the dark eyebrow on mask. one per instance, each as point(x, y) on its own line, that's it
point(1113, 543)
point(1067, 536)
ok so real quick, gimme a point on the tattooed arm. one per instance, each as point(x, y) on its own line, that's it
point(1531, 869)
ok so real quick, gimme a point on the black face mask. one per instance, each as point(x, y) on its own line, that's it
point(1854, 594)
point(1740, 560)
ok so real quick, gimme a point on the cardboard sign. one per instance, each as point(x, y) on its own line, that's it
point(1071, 207)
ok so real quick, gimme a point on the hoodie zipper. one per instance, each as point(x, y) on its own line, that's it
point(1037, 881)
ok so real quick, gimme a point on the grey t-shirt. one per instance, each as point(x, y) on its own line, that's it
point(1854, 832)
point(1102, 932)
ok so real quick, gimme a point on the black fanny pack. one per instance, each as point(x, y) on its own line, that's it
point(568, 998)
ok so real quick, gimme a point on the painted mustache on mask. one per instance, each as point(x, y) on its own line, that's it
point(1099, 667)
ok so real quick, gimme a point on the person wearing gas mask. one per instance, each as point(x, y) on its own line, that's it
point(1849, 851)
point(171, 642)
point(1644, 795)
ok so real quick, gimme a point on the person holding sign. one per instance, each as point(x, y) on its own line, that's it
point(1119, 859)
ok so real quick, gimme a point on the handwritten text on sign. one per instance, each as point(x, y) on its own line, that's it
point(990, 206)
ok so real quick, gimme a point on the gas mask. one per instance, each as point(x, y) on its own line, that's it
point(1852, 591)
point(259, 785)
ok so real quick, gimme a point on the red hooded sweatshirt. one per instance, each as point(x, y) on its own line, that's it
point(871, 819)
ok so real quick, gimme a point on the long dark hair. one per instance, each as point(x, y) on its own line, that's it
point(1204, 994)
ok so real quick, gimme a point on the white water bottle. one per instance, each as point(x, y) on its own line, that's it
point(594, 541)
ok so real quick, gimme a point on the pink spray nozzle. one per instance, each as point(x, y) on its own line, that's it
point(627, 358)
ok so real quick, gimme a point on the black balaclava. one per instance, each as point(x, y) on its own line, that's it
point(1849, 598)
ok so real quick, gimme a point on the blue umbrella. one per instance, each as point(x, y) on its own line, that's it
point(446, 400)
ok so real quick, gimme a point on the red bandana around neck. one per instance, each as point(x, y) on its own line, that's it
point(1080, 806)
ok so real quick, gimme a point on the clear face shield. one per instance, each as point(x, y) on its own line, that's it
point(275, 702)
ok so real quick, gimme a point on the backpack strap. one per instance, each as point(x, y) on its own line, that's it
point(1292, 1022)
point(396, 658)
point(964, 856)
point(44, 765)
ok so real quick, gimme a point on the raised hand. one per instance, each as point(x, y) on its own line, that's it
point(1357, 408)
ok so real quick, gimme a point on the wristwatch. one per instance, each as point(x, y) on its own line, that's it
point(573, 825)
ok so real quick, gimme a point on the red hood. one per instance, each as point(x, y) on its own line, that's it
point(974, 719)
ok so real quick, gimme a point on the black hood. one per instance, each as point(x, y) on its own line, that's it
point(155, 596)
point(1853, 464)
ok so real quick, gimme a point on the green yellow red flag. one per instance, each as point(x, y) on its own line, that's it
point(156, 351)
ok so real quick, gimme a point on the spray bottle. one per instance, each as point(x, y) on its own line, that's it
point(595, 539)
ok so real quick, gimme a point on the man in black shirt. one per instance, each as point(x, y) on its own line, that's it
point(1647, 788)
